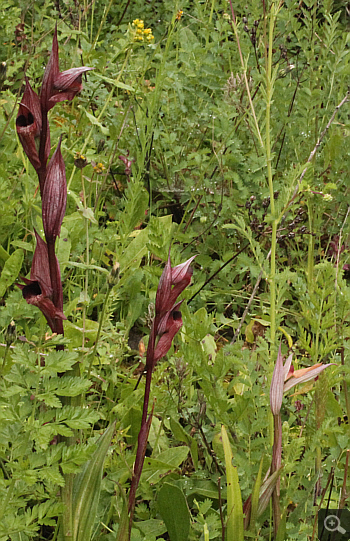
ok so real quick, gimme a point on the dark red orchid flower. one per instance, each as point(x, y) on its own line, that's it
point(54, 196)
point(168, 320)
point(28, 126)
point(59, 86)
point(171, 323)
point(38, 290)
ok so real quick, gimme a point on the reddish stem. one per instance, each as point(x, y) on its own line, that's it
point(55, 282)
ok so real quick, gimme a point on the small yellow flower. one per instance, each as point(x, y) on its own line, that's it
point(99, 168)
point(139, 32)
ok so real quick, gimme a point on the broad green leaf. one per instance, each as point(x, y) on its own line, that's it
point(135, 251)
point(178, 431)
point(151, 527)
point(86, 489)
point(75, 332)
point(10, 270)
point(202, 487)
point(24, 245)
point(64, 246)
point(234, 526)
point(174, 456)
point(173, 509)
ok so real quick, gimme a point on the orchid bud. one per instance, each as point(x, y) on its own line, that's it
point(180, 278)
point(51, 73)
point(40, 270)
point(276, 389)
point(164, 289)
point(54, 196)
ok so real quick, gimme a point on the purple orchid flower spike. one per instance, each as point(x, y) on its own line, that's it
point(167, 322)
point(54, 196)
point(59, 86)
point(284, 378)
point(44, 288)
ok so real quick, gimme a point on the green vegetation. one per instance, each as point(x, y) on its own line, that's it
point(210, 129)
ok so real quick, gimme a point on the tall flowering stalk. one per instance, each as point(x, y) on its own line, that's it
point(284, 378)
point(167, 322)
point(44, 288)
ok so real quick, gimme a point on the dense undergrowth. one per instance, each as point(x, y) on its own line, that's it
point(215, 132)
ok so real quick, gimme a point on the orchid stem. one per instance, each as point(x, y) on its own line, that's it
point(55, 281)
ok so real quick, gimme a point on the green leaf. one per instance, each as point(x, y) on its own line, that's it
point(10, 271)
point(136, 250)
point(76, 331)
point(3, 254)
point(234, 527)
point(178, 431)
point(173, 509)
point(136, 203)
point(86, 267)
point(118, 84)
point(86, 489)
point(151, 527)
point(159, 236)
point(95, 122)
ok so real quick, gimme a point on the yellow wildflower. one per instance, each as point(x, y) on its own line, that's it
point(99, 168)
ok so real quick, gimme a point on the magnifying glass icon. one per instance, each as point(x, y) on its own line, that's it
point(332, 524)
